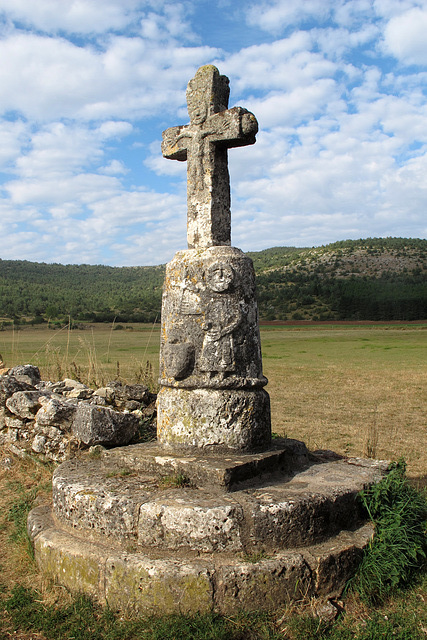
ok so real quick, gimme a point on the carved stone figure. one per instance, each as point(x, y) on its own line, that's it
point(210, 359)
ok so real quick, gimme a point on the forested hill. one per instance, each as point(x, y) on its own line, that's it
point(372, 279)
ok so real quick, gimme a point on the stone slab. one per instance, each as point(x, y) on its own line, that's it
point(209, 468)
point(149, 583)
point(108, 500)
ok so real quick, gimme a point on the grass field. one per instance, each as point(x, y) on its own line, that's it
point(360, 390)
point(357, 390)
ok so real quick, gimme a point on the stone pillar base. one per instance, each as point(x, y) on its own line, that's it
point(223, 419)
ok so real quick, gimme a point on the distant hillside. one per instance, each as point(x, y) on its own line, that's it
point(372, 279)
point(97, 293)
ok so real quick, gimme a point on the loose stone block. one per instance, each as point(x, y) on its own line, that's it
point(27, 373)
point(54, 412)
point(10, 385)
point(101, 425)
point(24, 404)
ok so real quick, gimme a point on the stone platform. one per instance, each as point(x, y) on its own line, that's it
point(156, 532)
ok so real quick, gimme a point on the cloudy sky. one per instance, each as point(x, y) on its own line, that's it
point(87, 86)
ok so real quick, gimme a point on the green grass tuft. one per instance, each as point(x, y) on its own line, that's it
point(397, 553)
point(84, 620)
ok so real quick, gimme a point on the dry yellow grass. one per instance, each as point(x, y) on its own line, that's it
point(20, 481)
point(357, 390)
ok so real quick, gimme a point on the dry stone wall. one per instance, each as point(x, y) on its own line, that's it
point(55, 420)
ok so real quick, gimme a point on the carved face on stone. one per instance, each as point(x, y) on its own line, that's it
point(219, 277)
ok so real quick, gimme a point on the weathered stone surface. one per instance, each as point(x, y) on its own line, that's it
point(267, 584)
point(10, 385)
point(158, 586)
point(203, 143)
point(39, 444)
point(26, 373)
point(202, 469)
point(200, 523)
point(101, 425)
point(210, 335)
point(55, 412)
point(12, 422)
point(104, 500)
point(144, 582)
point(316, 503)
point(77, 567)
point(301, 509)
point(24, 404)
point(210, 342)
point(332, 562)
point(235, 419)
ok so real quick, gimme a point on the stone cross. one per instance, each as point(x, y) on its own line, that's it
point(203, 144)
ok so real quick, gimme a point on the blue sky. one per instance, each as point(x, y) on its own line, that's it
point(87, 86)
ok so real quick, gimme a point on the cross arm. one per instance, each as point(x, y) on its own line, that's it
point(174, 143)
point(235, 127)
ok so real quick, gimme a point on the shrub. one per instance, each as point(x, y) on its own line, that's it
point(397, 552)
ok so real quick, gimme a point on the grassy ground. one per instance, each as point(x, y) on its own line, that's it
point(349, 389)
point(358, 390)
point(31, 609)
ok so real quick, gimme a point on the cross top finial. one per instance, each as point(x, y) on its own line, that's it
point(207, 93)
point(203, 143)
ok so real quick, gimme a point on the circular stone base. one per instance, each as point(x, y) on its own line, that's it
point(224, 419)
point(122, 535)
point(153, 583)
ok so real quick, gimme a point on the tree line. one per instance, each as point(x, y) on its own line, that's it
point(345, 281)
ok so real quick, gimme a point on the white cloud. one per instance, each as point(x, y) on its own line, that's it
point(48, 78)
point(405, 37)
point(341, 151)
point(60, 188)
point(283, 64)
point(75, 16)
point(274, 15)
point(301, 103)
point(390, 8)
point(115, 167)
point(12, 137)
point(60, 149)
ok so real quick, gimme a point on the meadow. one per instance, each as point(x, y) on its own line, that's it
point(359, 390)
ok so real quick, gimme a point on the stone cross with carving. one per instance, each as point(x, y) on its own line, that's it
point(203, 144)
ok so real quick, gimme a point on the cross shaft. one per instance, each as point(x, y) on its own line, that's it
point(213, 129)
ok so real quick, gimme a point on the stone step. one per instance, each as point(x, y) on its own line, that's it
point(156, 582)
point(208, 467)
point(101, 498)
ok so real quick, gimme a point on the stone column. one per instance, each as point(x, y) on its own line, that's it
point(211, 377)
point(212, 387)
